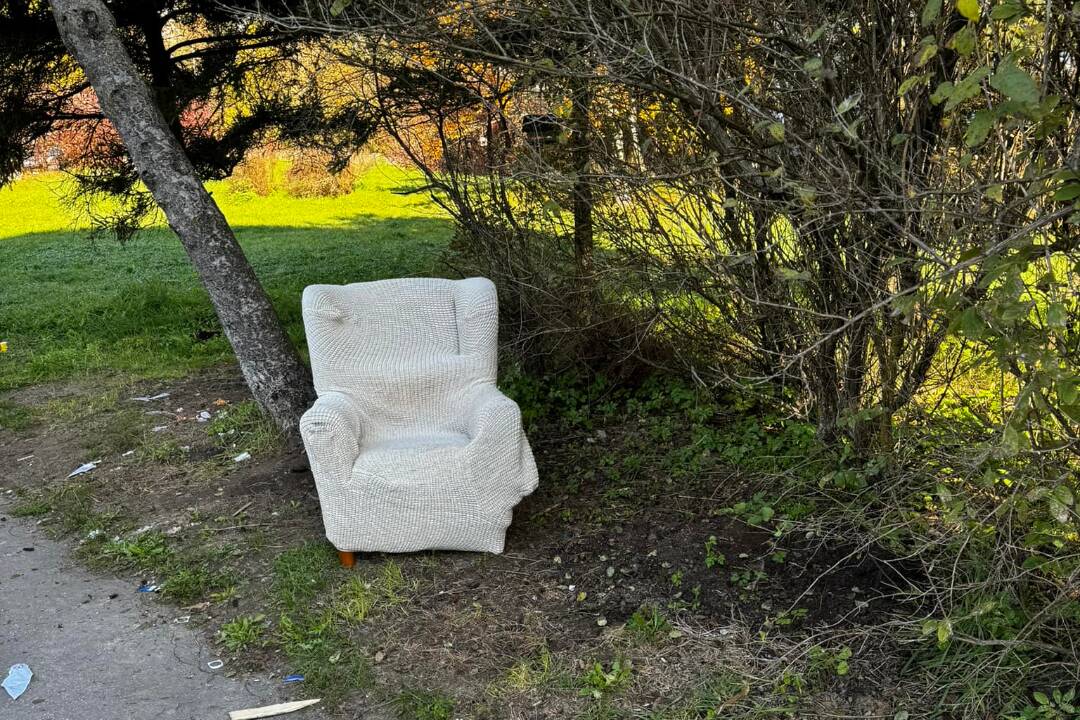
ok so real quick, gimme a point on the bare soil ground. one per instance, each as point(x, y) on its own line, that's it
point(607, 602)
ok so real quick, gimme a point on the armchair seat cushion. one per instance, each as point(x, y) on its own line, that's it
point(419, 498)
point(419, 462)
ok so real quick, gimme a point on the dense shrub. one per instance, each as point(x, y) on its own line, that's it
point(309, 175)
point(257, 173)
point(865, 212)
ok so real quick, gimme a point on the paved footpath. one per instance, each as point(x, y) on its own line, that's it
point(101, 658)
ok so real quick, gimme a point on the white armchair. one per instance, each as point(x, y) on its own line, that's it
point(411, 444)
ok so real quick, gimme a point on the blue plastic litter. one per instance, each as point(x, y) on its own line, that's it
point(293, 678)
point(148, 588)
point(17, 679)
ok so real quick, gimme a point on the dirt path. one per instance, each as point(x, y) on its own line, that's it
point(101, 651)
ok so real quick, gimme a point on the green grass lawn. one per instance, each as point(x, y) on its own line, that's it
point(70, 306)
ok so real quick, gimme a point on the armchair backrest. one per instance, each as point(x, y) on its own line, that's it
point(404, 348)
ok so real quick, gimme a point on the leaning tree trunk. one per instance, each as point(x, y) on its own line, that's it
point(278, 379)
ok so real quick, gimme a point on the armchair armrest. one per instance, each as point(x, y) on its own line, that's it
point(331, 429)
point(497, 447)
point(492, 416)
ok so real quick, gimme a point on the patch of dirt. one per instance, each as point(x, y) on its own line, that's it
point(576, 568)
point(661, 562)
point(42, 455)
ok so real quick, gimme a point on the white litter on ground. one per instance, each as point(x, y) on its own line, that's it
point(149, 398)
point(84, 468)
point(271, 710)
point(18, 678)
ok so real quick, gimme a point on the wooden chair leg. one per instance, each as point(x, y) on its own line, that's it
point(348, 559)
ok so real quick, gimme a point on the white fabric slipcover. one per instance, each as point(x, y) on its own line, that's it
point(411, 444)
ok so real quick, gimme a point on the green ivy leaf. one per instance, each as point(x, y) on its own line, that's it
point(1064, 495)
point(1056, 316)
point(807, 195)
point(1013, 82)
point(910, 83)
point(1067, 192)
point(931, 11)
point(1007, 10)
point(848, 103)
point(963, 41)
point(1010, 441)
point(927, 53)
point(904, 305)
point(1068, 390)
point(1057, 510)
point(968, 87)
point(979, 128)
point(971, 323)
point(944, 631)
point(791, 275)
point(969, 9)
point(942, 92)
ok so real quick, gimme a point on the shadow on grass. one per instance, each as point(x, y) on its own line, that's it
point(70, 306)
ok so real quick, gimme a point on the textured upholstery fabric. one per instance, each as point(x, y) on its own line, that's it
point(411, 444)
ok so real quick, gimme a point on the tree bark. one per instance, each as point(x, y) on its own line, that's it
point(582, 192)
point(278, 379)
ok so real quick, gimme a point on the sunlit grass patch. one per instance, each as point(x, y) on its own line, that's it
point(72, 508)
point(106, 539)
point(160, 449)
point(79, 406)
point(359, 597)
point(185, 574)
point(532, 673)
point(72, 307)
